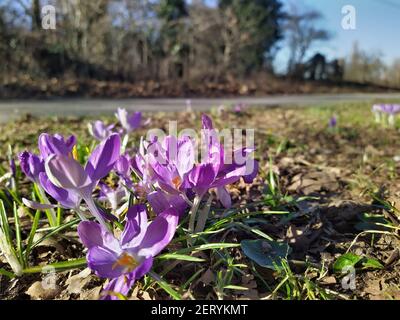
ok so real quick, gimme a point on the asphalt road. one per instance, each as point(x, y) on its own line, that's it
point(11, 109)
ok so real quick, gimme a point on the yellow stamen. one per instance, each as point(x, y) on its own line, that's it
point(127, 261)
point(75, 152)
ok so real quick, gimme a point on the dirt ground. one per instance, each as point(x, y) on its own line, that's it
point(259, 85)
point(339, 189)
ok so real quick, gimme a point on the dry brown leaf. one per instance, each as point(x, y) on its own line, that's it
point(37, 291)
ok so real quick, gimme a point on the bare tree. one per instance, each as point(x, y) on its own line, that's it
point(302, 34)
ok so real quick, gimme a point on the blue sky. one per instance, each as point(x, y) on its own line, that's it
point(377, 29)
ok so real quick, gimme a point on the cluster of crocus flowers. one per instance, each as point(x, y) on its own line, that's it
point(169, 168)
point(386, 113)
point(163, 173)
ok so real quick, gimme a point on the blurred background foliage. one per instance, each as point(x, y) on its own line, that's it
point(173, 40)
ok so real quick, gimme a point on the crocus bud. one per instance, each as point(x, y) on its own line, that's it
point(333, 122)
point(55, 144)
point(31, 165)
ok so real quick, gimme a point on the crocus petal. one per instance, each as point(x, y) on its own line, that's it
point(122, 166)
point(224, 197)
point(90, 234)
point(159, 233)
point(70, 142)
point(248, 178)
point(103, 157)
point(36, 205)
point(102, 261)
point(124, 283)
point(158, 201)
point(136, 225)
point(202, 177)
point(161, 201)
point(23, 161)
point(144, 267)
point(31, 165)
point(206, 122)
point(120, 285)
point(186, 156)
point(134, 120)
point(67, 198)
point(65, 172)
point(122, 116)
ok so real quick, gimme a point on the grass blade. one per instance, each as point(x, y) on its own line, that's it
point(7, 273)
point(183, 257)
point(18, 234)
point(55, 231)
point(165, 286)
point(32, 233)
point(4, 223)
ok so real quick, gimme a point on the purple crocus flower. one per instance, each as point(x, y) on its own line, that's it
point(213, 172)
point(128, 122)
point(31, 165)
point(167, 163)
point(55, 144)
point(129, 258)
point(171, 162)
point(66, 173)
point(390, 109)
point(99, 130)
point(333, 122)
point(239, 107)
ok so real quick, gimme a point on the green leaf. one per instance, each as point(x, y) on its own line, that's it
point(369, 263)
point(58, 266)
point(182, 257)
point(266, 253)
point(346, 260)
point(164, 285)
point(7, 273)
